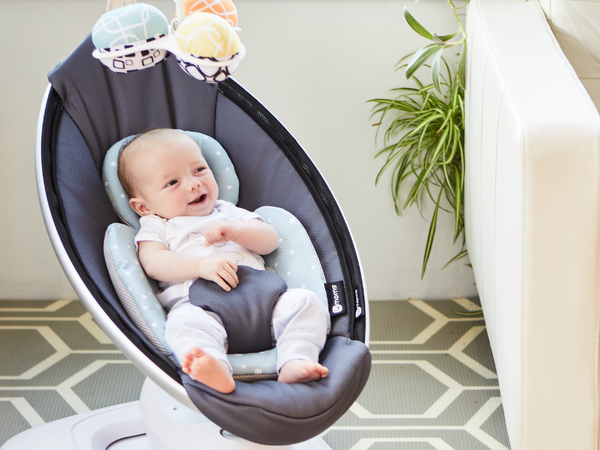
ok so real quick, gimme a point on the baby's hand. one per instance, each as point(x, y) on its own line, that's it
point(220, 232)
point(220, 269)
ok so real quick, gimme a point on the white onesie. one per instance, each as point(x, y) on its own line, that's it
point(185, 235)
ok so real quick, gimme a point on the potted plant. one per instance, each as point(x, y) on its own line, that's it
point(423, 141)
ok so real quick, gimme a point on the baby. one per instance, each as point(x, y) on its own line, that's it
point(187, 233)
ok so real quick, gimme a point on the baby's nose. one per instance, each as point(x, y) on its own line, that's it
point(193, 184)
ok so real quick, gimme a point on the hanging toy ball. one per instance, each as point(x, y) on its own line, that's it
point(212, 44)
point(130, 27)
point(225, 9)
point(207, 35)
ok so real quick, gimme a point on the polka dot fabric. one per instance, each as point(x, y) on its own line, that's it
point(295, 260)
point(135, 290)
point(254, 365)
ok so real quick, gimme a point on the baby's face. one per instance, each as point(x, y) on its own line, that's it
point(174, 180)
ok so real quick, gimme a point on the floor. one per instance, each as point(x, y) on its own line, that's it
point(432, 386)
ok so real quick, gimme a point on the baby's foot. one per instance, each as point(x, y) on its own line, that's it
point(208, 370)
point(301, 371)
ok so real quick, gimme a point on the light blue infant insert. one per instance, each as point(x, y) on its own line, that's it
point(295, 260)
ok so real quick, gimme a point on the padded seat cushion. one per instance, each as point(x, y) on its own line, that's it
point(293, 412)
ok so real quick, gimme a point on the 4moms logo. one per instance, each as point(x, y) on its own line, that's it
point(337, 307)
point(336, 298)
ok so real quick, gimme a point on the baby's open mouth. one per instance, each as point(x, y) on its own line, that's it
point(198, 200)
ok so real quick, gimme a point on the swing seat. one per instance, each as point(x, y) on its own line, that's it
point(87, 110)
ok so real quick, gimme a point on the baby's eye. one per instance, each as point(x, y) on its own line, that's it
point(199, 169)
point(172, 183)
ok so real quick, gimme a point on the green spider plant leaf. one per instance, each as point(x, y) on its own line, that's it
point(415, 25)
point(461, 255)
point(445, 38)
point(431, 235)
point(458, 202)
point(423, 140)
point(462, 63)
point(420, 57)
point(435, 69)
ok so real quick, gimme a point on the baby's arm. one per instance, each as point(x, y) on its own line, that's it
point(255, 235)
point(165, 265)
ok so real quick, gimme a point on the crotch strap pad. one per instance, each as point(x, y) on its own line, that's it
point(246, 310)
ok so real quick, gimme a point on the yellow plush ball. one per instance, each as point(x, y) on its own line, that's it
point(222, 8)
point(207, 35)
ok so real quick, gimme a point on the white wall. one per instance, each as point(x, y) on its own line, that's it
point(313, 63)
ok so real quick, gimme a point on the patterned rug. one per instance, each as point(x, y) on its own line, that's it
point(432, 385)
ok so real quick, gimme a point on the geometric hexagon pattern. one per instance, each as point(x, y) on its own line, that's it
point(56, 362)
point(432, 385)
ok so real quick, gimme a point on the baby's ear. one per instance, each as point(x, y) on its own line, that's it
point(139, 206)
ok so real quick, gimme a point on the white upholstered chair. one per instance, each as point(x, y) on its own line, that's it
point(533, 211)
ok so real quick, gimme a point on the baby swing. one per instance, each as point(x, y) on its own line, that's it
point(88, 112)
